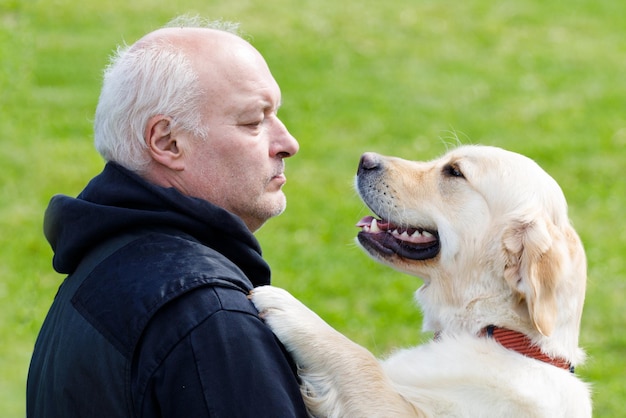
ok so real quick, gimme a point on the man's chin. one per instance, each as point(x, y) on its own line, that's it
point(267, 210)
point(280, 204)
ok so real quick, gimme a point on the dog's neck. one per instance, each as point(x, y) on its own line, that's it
point(519, 342)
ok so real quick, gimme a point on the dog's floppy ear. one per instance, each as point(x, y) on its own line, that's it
point(533, 267)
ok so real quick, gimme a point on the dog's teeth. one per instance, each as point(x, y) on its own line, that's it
point(416, 234)
point(427, 234)
point(405, 235)
point(395, 233)
point(374, 229)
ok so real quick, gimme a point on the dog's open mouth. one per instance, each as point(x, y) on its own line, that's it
point(384, 237)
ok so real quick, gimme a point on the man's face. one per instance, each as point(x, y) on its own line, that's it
point(240, 165)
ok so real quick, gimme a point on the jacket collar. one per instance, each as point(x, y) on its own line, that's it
point(118, 200)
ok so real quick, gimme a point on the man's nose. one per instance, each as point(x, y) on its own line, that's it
point(283, 143)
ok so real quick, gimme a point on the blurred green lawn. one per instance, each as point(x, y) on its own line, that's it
point(544, 78)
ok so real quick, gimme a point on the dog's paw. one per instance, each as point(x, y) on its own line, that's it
point(294, 324)
point(280, 309)
point(269, 298)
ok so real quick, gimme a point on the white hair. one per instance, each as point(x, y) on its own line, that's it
point(145, 80)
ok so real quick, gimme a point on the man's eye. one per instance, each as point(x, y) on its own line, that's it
point(251, 125)
point(254, 124)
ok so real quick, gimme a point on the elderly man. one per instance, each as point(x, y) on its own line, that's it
point(153, 319)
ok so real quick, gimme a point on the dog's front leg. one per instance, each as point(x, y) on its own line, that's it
point(339, 377)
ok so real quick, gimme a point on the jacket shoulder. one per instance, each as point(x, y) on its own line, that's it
point(225, 362)
point(124, 291)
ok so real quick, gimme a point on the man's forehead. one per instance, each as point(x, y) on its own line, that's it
point(250, 86)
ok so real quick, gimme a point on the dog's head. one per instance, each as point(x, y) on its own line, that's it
point(488, 232)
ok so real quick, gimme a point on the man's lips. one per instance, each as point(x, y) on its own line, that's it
point(279, 178)
point(279, 174)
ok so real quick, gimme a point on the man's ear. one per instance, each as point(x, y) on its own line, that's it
point(162, 145)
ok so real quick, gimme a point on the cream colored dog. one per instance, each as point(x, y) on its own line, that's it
point(504, 282)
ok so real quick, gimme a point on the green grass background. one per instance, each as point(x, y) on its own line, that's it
point(404, 77)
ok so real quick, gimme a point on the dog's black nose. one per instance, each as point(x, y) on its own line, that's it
point(369, 161)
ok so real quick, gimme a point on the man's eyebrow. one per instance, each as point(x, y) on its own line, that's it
point(278, 104)
point(260, 103)
point(269, 105)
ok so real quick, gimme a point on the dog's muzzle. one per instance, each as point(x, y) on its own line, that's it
point(384, 236)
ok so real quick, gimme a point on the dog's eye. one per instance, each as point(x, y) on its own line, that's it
point(452, 170)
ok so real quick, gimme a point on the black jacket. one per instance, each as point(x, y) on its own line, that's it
point(153, 319)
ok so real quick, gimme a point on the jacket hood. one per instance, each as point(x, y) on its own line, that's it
point(118, 201)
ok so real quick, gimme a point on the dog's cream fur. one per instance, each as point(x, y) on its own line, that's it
point(507, 256)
